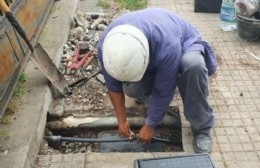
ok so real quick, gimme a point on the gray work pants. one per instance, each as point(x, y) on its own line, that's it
point(193, 87)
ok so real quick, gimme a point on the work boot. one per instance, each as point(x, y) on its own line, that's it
point(202, 143)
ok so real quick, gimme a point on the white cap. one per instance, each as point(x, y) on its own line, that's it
point(125, 53)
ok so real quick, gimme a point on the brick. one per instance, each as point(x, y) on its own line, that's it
point(228, 156)
point(226, 147)
point(227, 123)
point(257, 145)
point(251, 129)
point(79, 158)
point(44, 158)
point(66, 165)
point(255, 137)
point(248, 121)
point(240, 156)
point(216, 156)
point(238, 122)
point(56, 158)
point(257, 121)
point(56, 165)
point(220, 131)
point(247, 147)
point(244, 138)
point(233, 138)
point(241, 131)
point(224, 116)
point(245, 115)
point(219, 164)
point(236, 147)
point(252, 156)
point(230, 131)
point(235, 115)
point(222, 139)
point(68, 158)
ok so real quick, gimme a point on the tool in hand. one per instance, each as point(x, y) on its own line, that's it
point(39, 56)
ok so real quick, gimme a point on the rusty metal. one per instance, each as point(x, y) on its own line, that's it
point(76, 63)
point(31, 14)
point(42, 60)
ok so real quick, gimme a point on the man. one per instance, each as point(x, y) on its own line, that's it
point(146, 54)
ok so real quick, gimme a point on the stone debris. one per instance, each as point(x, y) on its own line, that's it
point(91, 98)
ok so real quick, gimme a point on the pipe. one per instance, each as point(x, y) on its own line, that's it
point(59, 138)
point(109, 122)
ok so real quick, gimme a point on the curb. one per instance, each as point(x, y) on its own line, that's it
point(27, 130)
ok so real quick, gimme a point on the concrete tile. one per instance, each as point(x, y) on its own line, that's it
point(216, 156)
point(226, 147)
point(236, 147)
point(219, 164)
point(56, 165)
point(79, 157)
point(247, 146)
point(228, 156)
point(234, 96)
point(56, 158)
point(68, 158)
point(222, 139)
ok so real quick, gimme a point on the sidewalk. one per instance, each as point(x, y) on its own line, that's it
point(234, 96)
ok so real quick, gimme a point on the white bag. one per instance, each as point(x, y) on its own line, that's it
point(247, 7)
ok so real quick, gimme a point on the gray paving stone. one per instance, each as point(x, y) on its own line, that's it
point(234, 96)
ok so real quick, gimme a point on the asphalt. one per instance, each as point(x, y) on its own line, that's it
point(234, 96)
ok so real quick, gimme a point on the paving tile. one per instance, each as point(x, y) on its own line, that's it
point(219, 164)
point(234, 96)
point(228, 156)
point(56, 158)
point(79, 158)
point(68, 158)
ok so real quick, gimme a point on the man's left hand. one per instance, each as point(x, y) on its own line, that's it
point(146, 133)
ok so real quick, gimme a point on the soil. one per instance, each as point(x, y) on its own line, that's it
point(50, 147)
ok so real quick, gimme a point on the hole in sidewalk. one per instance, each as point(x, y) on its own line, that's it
point(66, 147)
point(166, 132)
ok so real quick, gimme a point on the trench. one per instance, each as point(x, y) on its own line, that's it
point(166, 130)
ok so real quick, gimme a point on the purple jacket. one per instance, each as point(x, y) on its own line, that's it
point(169, 37)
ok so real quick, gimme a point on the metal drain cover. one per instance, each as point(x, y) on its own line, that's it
point(191, 161)
point(126, 146)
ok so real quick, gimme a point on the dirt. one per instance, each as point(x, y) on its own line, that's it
point(50, 147)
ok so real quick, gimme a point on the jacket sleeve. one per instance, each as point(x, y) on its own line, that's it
point(163, 89)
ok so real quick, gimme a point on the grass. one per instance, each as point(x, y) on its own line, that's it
point(3, 133)
point(127, 4)
point(19, 91)
point(20, 88)
point(103, 3)
point(133, 4)
point(9, 111)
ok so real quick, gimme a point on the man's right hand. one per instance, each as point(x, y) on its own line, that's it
point(118, 101)
point(125, 131)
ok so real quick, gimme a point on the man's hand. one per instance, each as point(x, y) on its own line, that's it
point(125, 131)
point(146, 133)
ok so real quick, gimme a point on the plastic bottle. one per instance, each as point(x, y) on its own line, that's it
point(227, 15)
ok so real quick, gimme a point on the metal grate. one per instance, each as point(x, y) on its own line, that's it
point(192, 161)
